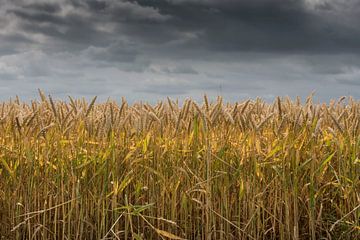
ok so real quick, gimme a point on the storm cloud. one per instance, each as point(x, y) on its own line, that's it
point(148, 49)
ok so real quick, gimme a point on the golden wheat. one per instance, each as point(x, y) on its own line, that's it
point(250, 170)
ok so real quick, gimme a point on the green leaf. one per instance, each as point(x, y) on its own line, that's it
point(324, 163)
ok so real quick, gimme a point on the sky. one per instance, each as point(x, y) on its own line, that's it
point(151, 49)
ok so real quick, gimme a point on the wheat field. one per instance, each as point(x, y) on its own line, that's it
point(179, 170)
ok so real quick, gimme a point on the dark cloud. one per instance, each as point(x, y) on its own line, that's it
point(97, 5)
point(260, 25)
point(16, 38)
point(289, 26)
point(44, 7)
point(259, 47)
point(37, 17)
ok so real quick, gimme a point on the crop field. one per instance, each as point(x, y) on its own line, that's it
point(80, 169)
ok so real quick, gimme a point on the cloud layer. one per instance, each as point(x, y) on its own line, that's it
point(149, 49)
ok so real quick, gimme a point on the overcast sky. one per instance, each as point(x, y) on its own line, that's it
point(150, 49)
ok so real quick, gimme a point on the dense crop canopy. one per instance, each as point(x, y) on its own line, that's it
point(249, 170)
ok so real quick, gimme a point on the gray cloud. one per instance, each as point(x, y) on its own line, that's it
point(118, 52)
point(277, 26)
point(349, 82)
point(181, 69)
point(44, 7)
point(179, 47)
